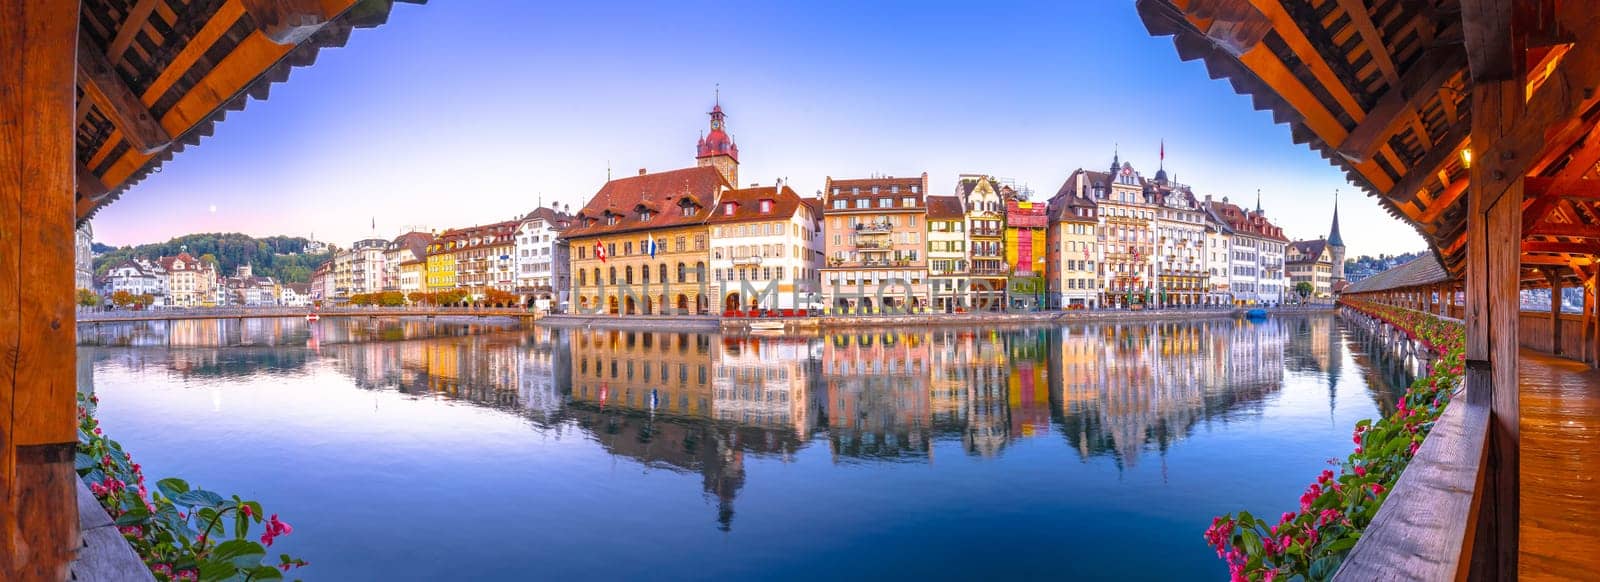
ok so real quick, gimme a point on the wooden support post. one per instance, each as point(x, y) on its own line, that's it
point(1494, 233)
point(1588, 321)
point(1553, 274)
point(38, 509)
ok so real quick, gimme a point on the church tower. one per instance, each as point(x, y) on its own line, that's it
point(1336, 246)
point(716, 149)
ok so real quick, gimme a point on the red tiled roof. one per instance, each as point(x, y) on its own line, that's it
point(1245, 222)
point(188, 260)
point(555, 219)
point(416, 241)
point(622, 197)
point(944, 208)
point(1310, 250)
point(747, 205)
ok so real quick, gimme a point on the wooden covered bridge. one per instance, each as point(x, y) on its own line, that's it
point(1474, 121)
point(93, 98)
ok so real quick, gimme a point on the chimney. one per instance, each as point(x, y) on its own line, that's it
point(641, 171)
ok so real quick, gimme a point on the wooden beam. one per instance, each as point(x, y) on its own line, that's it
point(1565, 230)
point(103, 85)
point(89, 185)
point(1443, 202)
point(1551, 116)
point(38, 424)
point(1447, 148)
point(1570, 188)
point(1544, 261)
point(292, 21)
point(1560, 247)
point(1399, 105)
point(130, 26)
point(1486, 24)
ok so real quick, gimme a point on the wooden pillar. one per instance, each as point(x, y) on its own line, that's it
point(1553, 275)
point(1588, 320)
point(38, 433)
point(1494, 233)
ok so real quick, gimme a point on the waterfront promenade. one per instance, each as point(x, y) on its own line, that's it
point(278, 312)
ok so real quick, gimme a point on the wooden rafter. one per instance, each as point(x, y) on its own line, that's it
point(291, 21)
point(1550, 116)
point(1423, 171)
point(1560, 247)
point(112, 96)
point(1399, 105)
point(1571, 188)
point(1566, 230)
point(1443, 202)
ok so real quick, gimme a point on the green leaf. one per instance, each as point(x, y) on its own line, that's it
point(1342, 544)
point(172, 487)
point(83, 462)
point(242, 553)
point(265, 573)
point(134, 516)
point(198, 498)
point(213, 569)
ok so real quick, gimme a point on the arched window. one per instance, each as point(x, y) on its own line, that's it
point(661, 273)
point(581, 278)
point(682, 273)
point(597, 279)
point(699, 271)
point(613, 274)
point(627, 274)
point(644, 274)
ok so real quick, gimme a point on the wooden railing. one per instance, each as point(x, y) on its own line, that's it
point(1426, 528)
point(1534, 332)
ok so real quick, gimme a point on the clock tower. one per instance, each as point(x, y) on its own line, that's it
point(716, 149)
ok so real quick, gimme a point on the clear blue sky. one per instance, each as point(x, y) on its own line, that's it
point(461, 113)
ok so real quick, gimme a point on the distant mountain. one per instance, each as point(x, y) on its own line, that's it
point(279, 257)
point(101, 248)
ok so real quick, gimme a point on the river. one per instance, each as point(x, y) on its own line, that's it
point(428, 450)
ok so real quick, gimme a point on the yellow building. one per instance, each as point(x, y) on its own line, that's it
point(1025, 253)
point(641, 246)
point(644, 371)
point(441, 263)
point(1071, 243)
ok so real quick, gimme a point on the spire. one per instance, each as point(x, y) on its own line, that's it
point(1333, 237)
point(1258, 201)
point(1115, 163)
point(1161, 171)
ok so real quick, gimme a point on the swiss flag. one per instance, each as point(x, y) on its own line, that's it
point(600, 251)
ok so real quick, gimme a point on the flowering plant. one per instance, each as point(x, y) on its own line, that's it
point(179, 532)
point(1311, 543)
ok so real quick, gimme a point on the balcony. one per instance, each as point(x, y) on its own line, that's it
point(873, 245)
point(981, 231)
point(874, 228)
point(1000, 271)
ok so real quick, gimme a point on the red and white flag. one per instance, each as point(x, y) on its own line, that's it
point(600, 252)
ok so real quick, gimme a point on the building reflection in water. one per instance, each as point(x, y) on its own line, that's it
point(697, 403)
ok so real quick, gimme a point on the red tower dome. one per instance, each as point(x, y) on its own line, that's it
point(717, 143)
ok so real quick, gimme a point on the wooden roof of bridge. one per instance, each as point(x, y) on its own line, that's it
point(1380, 88)
point(155, 76)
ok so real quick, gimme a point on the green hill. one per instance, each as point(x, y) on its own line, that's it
point(279, 257)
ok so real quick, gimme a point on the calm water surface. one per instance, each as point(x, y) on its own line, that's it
point(427, 450)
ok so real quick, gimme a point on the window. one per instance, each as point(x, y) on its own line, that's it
point(727, 208)
point(838, 204)
point(861, 203)
point(766, 206)
point(885, 203)
point(908, 202)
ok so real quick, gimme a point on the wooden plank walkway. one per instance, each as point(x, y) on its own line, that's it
point(1560, 524)
point(104, 555)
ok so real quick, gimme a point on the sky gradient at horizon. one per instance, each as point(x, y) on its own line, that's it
point(463, 113)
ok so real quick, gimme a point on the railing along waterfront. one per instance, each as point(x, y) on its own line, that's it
point(249, 312)
point(1425, 528)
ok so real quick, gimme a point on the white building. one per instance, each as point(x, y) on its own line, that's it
point(294, 295)
point(83, 255)
point(134, 277)
point(541, 262)
point(766, 240)
point(1256, 273)
point(366, 265)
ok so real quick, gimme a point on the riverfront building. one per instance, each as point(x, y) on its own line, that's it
point(190, 281)
point(405, 248)
point(1256, 269)
point(985, 204)
point(1026, 223)
point(1181, 276)
point(874, 228)
point(766, 247)
point(542, 262)
point(484, 258)
point(1309, 261)
point(947, 254)
point(441, 261)
point(1072, 243)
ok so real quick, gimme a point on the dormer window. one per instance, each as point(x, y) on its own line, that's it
point(766, 206)
point(644, 215)
point(855, 191)
point(611, 220)
point(687, 209)
point(894, 189)
point(874, 190)
point(727, 208)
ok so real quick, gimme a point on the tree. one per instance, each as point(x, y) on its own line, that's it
point(145, 300)
point(418, 297)
point(87, 298)
point(122, 299)
point(1304, 289)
